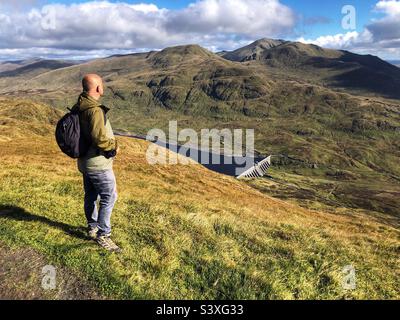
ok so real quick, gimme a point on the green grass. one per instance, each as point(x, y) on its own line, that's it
point(211, 237)
point(334, 190)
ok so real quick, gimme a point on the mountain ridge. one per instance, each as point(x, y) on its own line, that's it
point(32, 67)
point(337, 68)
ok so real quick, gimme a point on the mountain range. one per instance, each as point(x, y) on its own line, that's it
point(333, 68)
point(337, 69)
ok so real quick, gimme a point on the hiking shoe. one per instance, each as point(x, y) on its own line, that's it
point(92, 233)
point(106, 243)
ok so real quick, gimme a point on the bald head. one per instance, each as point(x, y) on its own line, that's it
point(93, 85)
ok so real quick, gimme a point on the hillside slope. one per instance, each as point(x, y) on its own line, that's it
point(27, 69)
point(188, 79)
point(186, 232)
point(12, 65)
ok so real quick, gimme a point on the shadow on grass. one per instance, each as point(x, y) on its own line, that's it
point(20, 214)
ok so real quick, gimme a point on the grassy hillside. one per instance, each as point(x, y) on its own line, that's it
point(186, 232)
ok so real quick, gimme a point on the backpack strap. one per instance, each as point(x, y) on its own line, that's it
point(104, 108)
point(105, 122)
point(74, 109)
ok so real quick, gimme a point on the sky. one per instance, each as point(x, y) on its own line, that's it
point(81, 29)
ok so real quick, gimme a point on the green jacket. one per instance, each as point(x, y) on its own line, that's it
point(104, 144)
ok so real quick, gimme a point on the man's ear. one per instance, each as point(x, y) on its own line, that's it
point(98, 89)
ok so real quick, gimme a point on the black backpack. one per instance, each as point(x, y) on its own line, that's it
point(69, 137)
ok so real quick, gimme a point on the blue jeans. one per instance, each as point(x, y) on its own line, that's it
point(100, 184)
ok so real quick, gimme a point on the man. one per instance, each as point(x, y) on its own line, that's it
point(97, 165)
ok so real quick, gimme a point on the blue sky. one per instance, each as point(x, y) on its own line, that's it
point(129, 26)
point(331, 9)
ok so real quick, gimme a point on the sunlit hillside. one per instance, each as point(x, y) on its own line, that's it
point(186, 232)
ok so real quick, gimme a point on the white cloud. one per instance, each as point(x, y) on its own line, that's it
point(254, 18)
point(63, 54)
point(387, 28)
point(102, 25)
point(341, 40)
point(347, 40)
point(391, 7)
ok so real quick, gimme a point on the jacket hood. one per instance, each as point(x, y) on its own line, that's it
point(86, 102)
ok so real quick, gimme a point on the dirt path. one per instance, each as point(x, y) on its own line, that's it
point(21, 278)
